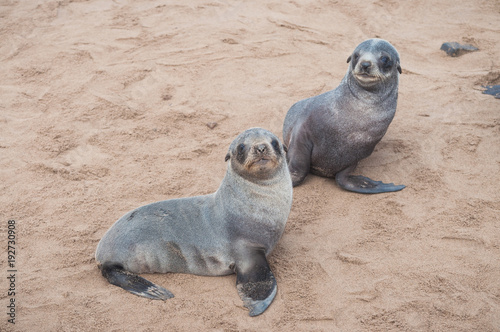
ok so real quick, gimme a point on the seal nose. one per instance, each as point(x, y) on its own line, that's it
point(365, 65)
point(261, 148)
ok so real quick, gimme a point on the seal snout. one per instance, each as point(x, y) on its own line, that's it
point(262, 154)
point(260, 148)
point(366, 70)
point(263, 157)
point(365, 66)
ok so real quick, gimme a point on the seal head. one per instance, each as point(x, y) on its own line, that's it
point(255, 155)
point(373, 63)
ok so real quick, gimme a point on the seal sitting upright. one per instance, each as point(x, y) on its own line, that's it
point(329, 134)
point(230, 231)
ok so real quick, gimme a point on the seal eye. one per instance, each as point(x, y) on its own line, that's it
point(241, 148)
point(276, 146)
point(386, 62)
point(240, 153)
point(354, 58)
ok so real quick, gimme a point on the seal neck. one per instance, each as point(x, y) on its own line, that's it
point(234, 186)
point(249, 206)
point(376, 94)
point(275, 179)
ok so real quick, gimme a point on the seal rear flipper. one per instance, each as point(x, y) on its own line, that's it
point(116, 275)
point(362, 184)
point(255, 282)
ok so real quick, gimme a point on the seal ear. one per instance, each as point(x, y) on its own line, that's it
point(399, 68)
point(349, 59)
point(227, 157)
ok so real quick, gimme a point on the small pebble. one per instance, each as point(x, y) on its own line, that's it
point(493, 90)
point(455, 49)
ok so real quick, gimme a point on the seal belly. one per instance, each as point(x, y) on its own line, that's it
point(172, 257)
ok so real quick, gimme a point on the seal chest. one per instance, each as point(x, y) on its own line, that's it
point(329, 134)
point(230, 231)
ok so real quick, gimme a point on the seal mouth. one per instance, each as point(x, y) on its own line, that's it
point(262, 161)
point(366, 77)
point(263, 164)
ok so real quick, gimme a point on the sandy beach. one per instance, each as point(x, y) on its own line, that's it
point(109, 105)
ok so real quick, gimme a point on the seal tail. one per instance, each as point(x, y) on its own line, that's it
point(116, 275)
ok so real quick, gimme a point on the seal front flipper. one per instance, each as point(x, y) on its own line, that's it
point(299, 157)
point(133, 283)
point(255, 282)
point(362, 184)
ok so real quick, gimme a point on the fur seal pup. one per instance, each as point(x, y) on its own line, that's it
point(229, 231)
point(329, 134)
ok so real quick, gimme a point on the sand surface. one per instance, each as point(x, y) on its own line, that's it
point(108, 105)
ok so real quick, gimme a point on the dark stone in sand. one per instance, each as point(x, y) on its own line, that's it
point(493, 90)
point(455, 49)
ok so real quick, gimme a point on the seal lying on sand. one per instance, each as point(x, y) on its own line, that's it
point(229, 231)
point(329, 134)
